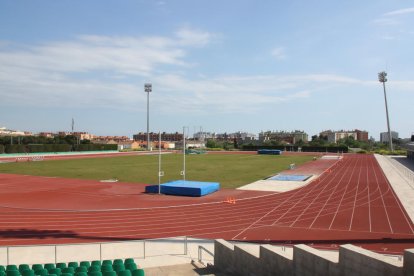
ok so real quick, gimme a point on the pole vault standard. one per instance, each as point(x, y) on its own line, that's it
point(183, 171)
point(160, 172)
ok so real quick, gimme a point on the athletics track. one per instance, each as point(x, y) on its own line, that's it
point(351, 202)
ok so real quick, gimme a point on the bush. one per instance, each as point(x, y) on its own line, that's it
point(35, 148)
point(1, 149)
point(15, 149)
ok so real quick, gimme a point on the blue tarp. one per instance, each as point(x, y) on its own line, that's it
point(289, 177)
point(269, 151)
point(185, 188)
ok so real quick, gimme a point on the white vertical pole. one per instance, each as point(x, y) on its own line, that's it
point(159, 164)
point(184, 153)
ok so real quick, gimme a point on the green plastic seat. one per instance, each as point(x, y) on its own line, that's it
point(129, 261)
point(96, 263)
point(86, 264)
point(49, 266)
point(42, 272)
point(23, 267)
point(28, 272)
point(81, 269)
point(106, 262)
point(69, 269)
point(51, 275)
point(73, 264)
point(81, 273)
point(95, 273)
point(2, 273)
point(138, 272)
point(61, 265)
point(131, 266)
point(105, 268)
point(66, 274)
point(94, 268)
point(2, 268)
point(109, 273)
point(118, 267)
point(57, 271)
point(11, 267)
point(37, 267)
point(12, 272)
point(126, 272)
point(118, 261)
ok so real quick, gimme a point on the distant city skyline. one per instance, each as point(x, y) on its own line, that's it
point(227, 66)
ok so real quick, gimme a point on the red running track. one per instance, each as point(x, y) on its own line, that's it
point(350, 203)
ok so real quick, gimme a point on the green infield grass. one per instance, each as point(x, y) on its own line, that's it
point(231, 171)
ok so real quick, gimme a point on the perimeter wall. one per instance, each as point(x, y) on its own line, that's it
point(306, 260)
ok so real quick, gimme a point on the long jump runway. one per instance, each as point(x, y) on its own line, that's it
point(352, 202)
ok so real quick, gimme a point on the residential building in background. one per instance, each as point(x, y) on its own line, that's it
point(8, 132)
point(334, 136)
point(291, 137)
point(384, 136)
point(172, 137)
point(202, 135)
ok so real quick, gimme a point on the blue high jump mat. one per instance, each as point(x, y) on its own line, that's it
point(185, 188)
point(269, 151)
point(290, 177)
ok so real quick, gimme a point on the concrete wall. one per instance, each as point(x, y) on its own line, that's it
point(354, 260)
point(408, 267)
point(309, 261)
point(350, 260)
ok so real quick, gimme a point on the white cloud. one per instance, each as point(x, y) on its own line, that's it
point(108, 72)
point(192, 37)
point(278, 53)
point(400, 12)
point(386, 22)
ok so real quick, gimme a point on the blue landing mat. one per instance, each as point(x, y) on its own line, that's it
point(185, 188)
point(290, 177)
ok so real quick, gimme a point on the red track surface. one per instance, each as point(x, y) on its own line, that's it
point(350, 203)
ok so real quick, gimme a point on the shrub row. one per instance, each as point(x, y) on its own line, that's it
point(33, 148)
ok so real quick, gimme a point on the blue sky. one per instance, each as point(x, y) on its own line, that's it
point(223, 65)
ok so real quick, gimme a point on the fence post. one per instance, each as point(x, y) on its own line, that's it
point(8, 255)
point(100, 251)
point(144, 249)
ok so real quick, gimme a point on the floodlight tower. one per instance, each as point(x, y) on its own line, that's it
point(148, 89)
point(382, 77)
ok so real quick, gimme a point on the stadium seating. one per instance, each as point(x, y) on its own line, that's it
point(117, 267)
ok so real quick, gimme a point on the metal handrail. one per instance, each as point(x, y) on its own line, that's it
point(55, 254)
point(200, 253)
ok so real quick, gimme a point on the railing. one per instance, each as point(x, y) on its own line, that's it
point(200, 253)
point(54, 253)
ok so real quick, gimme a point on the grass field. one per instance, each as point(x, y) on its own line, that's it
point(230, 170)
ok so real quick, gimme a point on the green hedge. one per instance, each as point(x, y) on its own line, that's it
point(15, 149)
point(35, 148)
point(95, 147)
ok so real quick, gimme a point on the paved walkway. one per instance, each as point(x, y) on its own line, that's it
point(314, 168)
point(401, 180)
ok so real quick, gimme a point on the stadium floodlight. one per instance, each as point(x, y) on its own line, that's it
point(148, 89)
point(382, 77)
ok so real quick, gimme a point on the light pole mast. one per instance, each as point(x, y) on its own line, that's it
point(148, 89)
point(382, 77)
